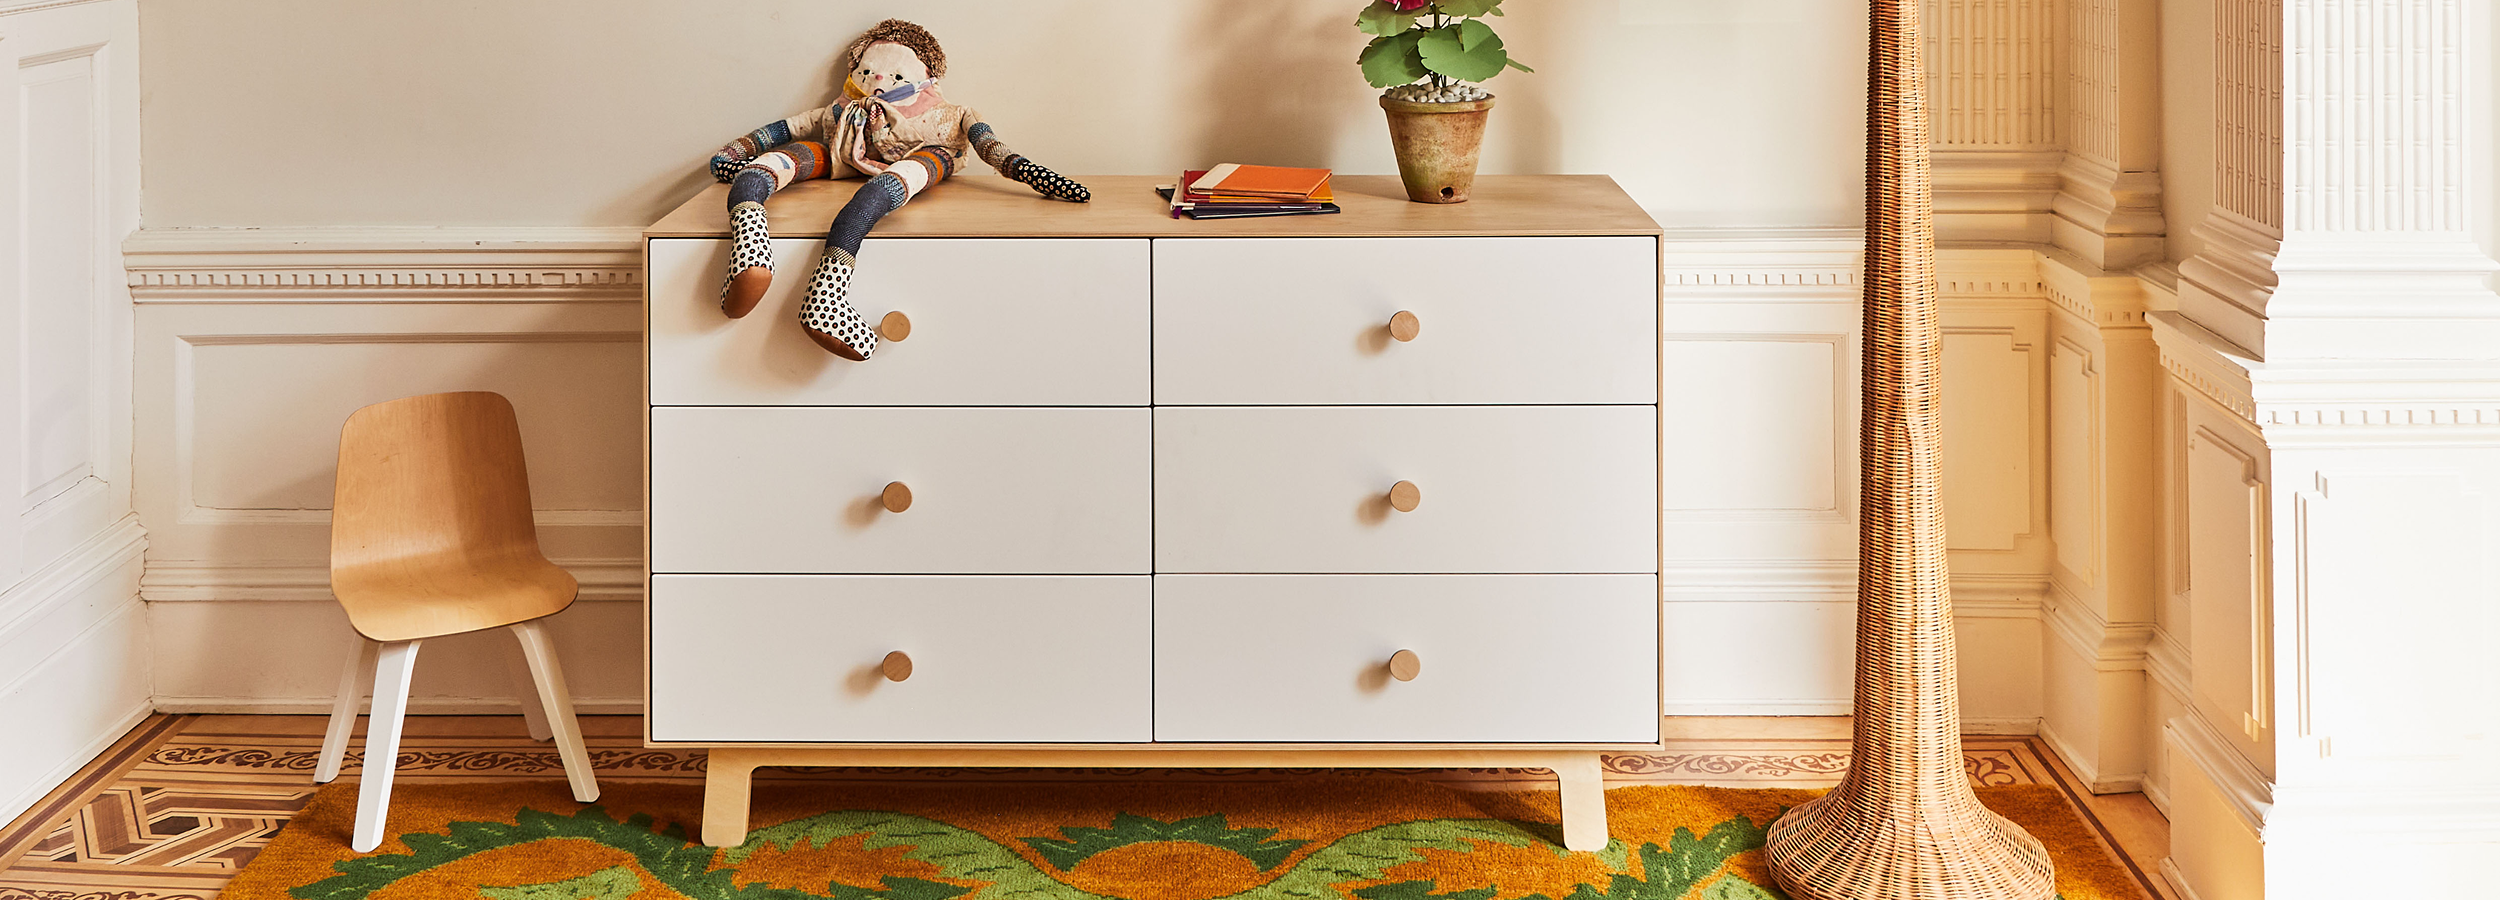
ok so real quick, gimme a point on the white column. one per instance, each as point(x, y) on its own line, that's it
point(2333, 445)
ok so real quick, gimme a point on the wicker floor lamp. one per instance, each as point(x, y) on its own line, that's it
point(1903, 823)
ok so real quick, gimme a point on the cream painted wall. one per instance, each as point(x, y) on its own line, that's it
point(282, 113)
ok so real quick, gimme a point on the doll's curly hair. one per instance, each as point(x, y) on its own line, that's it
point(918, 39)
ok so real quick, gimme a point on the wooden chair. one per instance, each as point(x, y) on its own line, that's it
point(431, 535)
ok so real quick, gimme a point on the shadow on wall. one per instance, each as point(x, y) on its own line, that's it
point(1263, 69)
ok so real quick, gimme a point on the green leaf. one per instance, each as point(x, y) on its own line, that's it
point(1126, 829)
point(1393, 60)
point(1507, 61)
point(611, 883)
point(1469, 8)
point(1472, 35)
point(1736, 888)
point(1420, 890)
point(1445, 52)
point(1382, 19)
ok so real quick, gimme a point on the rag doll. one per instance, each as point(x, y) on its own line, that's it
point(892, 126)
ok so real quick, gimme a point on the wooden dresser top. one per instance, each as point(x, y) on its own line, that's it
point(1126, 206)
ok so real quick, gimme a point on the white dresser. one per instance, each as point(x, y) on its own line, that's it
point(1149, 466)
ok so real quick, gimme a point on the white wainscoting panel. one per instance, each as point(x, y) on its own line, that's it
point(253, 349)
point(73, 646)
point(2226, 630)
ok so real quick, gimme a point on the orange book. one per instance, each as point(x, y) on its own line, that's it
point(1271, 182)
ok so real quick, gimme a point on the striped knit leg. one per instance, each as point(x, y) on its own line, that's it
point(827, 314)
point(751, 246)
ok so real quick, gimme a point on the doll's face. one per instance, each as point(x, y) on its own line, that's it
point(886, 65)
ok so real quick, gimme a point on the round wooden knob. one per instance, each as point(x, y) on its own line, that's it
point(1404, 665)
point(1404, 326)
point(897, 496)
point(895, 326)
point(897, 666)
point(1404, 496)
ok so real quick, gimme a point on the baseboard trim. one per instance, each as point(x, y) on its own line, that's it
point(2177, 880)
point(420, 706)
point(61, 774)
point(2086, 769)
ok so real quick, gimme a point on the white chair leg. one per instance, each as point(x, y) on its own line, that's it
point(343, 710)
point(559, 702)
point(397, 662)
point(533, 710)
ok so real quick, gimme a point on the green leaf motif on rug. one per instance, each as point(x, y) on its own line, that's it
point(1666, 873)
point(611, 883)
point(669, 857)
point(1126, 830)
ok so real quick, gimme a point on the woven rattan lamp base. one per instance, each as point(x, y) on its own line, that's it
point(1826, 851)
point(1903, 825)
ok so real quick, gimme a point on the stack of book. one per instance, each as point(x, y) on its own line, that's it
point(1232, 191)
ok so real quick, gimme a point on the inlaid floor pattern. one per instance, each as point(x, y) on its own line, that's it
point(183, 802)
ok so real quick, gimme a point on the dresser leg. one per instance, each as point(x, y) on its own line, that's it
point(1583, 780)
point(727, 785)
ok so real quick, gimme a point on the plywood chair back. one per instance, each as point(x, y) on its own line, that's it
point(430, 530)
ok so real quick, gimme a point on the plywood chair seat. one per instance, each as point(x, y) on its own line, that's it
point(428, 596)
point(431, 535)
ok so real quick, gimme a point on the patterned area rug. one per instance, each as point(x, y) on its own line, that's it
point(1364, 838)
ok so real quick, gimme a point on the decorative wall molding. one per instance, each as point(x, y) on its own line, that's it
point(1817, 261)
point(602, 580)
point(98, 556)
point(1976, 595)
point(2241, 786)
point(2248, 109)
point(1992, 73)
point(2092, 84)
point(2205, 363)
point(228, 265)
point(2119, 647)
point(41, 5)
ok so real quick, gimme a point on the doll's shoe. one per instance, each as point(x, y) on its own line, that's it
point(750, 261)
point(828, 318)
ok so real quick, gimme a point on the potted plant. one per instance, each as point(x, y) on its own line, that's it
point(1426, 52)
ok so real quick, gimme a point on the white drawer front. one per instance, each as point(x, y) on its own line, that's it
point(1503, 320)
point(996, 490)
point(766, 658)
point(1505, 658)
point(994, 322)
point(1503, 489)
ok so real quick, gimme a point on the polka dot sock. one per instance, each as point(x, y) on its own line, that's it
point(828, 317)
point(1048, 183)
point(750, 260)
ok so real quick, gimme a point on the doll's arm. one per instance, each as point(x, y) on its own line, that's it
point(802, 127)
point(1043, 181)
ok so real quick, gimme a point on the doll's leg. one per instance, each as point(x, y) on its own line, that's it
point(827, 314)
point(751, 246)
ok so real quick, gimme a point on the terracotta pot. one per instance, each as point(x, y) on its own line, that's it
point(1436, 145)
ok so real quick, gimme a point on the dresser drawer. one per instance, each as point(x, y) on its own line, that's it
point(993, 322)
point(992, 490)
point(1502, 320)
point(787, 658)
point(1502, 489)
point(1503, 658)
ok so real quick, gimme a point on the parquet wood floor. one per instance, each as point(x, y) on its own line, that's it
point(178, 806)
